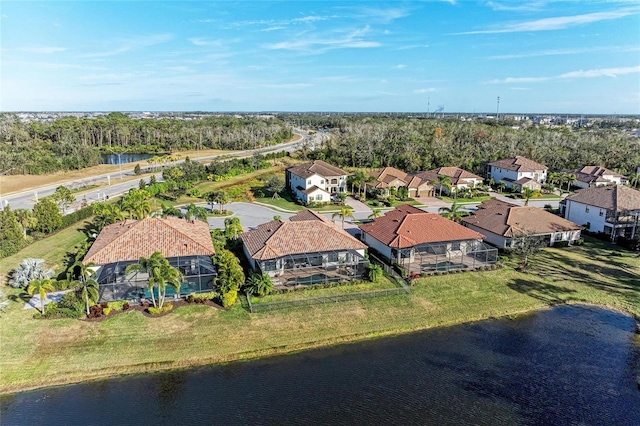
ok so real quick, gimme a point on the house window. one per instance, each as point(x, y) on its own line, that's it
point(332, 257)
point(322, 182)
point(319, 197)
point(269, 265)
point(586, 209)
point(455, 245)
point(558, 236)
point(334, 181)
point(601, 213)
point(309, 182)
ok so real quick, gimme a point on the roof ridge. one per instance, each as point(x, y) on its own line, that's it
point(179, 231)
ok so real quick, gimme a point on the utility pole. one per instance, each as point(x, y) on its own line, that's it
point(498, 109)
point(3, 203)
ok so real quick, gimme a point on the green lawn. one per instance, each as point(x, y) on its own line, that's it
point(461, 200)
point(37, 353)
point(383, 283)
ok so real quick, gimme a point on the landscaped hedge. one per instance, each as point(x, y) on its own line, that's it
point(77, 216)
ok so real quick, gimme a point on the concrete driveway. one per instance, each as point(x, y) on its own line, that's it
point(250, 215)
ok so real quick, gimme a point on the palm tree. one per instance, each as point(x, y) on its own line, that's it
point(221, 197)
point(344, 213)
point(375, 272)
point(154, 267)
point(232, 227)
point(42, 287)
point(570, 178)
point(375, 213)
point(259, 284)
point(367, 179)
point(634, 178)
point(26, 218)
point(444, 181)
point(169, 210)
point(88, 286)
point(528, 193)
point(454, 212)
point(195, 212)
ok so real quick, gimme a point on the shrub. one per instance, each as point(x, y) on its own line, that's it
point(28, 270)
point(126, 306)
point(229, 298)
point(106, 311)
point(155, 311)
point(116, 306)
point(95, 311)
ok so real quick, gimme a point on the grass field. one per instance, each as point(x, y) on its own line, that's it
point(37, 353)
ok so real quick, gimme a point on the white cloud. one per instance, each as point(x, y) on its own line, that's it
point(133, 43)
point(199, 41)
point(525, 7)
point(558, 23)
point(599, 72)
point(288, 85)
point(354, 39)
point(42, 49)
point(400, 66)
point(427, 90)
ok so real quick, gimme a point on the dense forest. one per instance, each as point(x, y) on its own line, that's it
point(422, 144)
point(36, 147)
point(357, 140)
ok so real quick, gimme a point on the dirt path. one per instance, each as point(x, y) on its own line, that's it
point(18, 183)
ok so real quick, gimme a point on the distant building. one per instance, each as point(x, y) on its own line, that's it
point(503, 223)
point(459, 178)
point(390, 177)
point(613, 210)
point(316, 181)
point(518, 173)
point(589, 176)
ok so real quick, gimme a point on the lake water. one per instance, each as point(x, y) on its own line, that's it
point(569, 365)
point(124, 158)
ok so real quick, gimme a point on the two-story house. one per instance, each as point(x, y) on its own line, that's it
point(315, 182)
point(458, 178)
point(389, 177)
point(589, 176)
point(518, 173)
point(613, 210)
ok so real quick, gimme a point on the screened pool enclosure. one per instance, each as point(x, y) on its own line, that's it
point(198, 276)
point(446, 256)
point(314, 268)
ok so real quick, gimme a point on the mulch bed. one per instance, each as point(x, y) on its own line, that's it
point(145, 311)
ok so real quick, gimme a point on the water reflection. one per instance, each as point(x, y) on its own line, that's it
point(568, 365)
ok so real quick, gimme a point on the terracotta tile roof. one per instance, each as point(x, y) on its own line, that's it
point(316, 167)
point(407, 226)
point(133, 239)
point(618, 198)
point(510, 220)
point(591, 174)
point(384, 177)
point(456, 174)
point(519, 164)
point(306, 232)
point(308, 215)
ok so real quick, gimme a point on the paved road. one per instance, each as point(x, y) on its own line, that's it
point(111, 185)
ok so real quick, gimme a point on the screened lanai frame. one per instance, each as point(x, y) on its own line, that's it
point(198, 276)
point(446, 256)
point(315, 267)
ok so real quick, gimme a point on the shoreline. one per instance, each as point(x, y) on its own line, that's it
point(162, 367)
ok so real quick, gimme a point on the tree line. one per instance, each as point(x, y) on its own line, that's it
point(68, 143)
point(423, 144)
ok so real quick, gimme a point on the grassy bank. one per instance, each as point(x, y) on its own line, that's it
point(36, 353)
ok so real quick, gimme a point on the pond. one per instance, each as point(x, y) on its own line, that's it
point(124, 158)
point(567, 365)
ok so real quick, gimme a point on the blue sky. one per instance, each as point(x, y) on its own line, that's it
point(537, 56)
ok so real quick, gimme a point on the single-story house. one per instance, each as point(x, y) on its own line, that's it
point(459, 178)
point(504, 223)
point(186, 244)
point(389, 177)
point(614, 210)
point(425, 242)
point(589, 176)
point(306, 249)
point(315, 182)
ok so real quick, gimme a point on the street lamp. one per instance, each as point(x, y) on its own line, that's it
point(2, 174)
point(119, 154)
